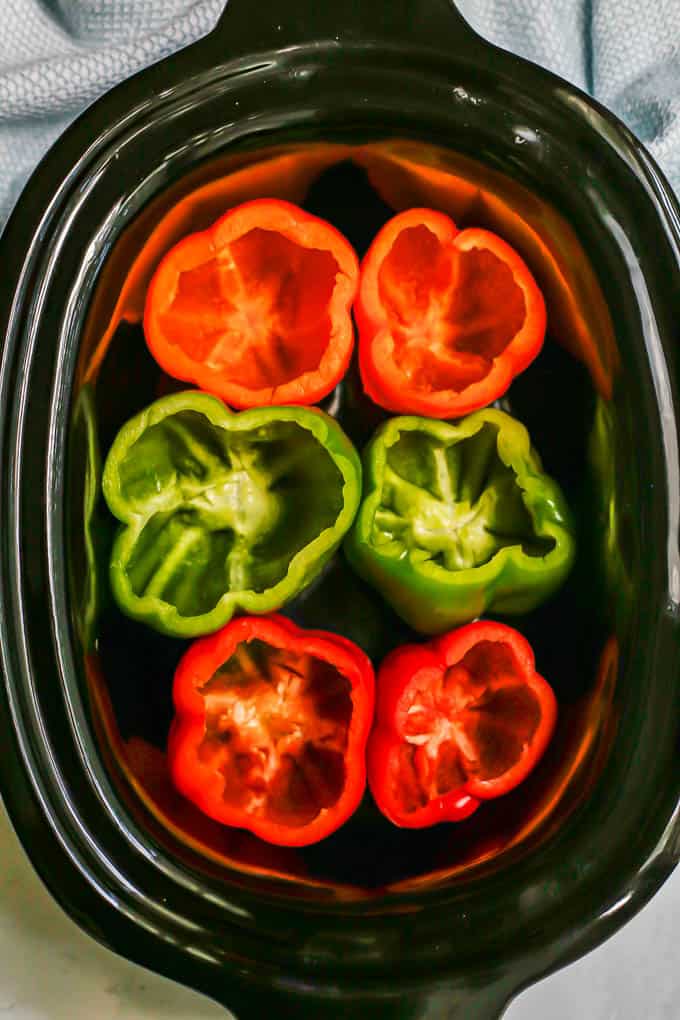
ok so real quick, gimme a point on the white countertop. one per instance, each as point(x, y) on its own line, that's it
point(50, 970)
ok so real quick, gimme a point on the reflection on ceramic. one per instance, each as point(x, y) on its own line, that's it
point(318, 932)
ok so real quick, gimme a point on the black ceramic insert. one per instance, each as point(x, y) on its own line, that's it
point(370, 924)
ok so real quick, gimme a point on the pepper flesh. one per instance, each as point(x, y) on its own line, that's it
point(256, 309)
point(461, 719)
point(458, 519)
point(409, 174)
point(223, 512)
point(271, 728)
point(446, 319)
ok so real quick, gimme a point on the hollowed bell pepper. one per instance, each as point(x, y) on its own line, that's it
point(459, 720)
point(458, 519)
point(271, 728)
point(224, 511)
point(256, 309)
point(446, 319)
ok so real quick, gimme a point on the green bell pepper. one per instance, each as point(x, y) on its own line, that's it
point(88, 523)
point(224, 511)
point(458, 519)
point(610, 502)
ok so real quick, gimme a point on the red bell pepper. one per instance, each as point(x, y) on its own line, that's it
point(461, 719)
point(256, 309)
point(271, 727)
point(446, 318)
point(184, 208)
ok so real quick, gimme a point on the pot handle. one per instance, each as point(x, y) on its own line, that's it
point(439, 1002)
point(253, 26)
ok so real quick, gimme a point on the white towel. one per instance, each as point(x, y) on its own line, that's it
point(57, 56)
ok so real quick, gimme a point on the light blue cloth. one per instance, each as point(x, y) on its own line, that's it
point(57, 56)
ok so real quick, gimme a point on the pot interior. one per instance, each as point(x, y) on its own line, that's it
point(565, 398)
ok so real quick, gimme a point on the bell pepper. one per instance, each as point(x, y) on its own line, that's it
point(192, 203)
point(409, 174)
point(271, 727)
point(256, 309)
point(88, 531)
point(611, 503)
point(459, 720)
point(446, 318)
point(458, 519)
point(224, 511)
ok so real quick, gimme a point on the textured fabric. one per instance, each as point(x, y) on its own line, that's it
point(56, 56)
point(626, 53)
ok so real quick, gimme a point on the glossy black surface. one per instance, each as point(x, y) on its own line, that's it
point(137, 663)
point(455, 947)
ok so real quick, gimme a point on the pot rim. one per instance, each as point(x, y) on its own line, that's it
point(22, 773)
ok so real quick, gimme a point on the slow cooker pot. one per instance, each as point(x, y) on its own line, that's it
point(413, 933)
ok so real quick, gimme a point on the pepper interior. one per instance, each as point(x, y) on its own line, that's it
point(276, 729)
point(450, 312)
point(246, 309)
point(231, 509)
point(454, 505)
point(474, 721)
point(129, 668)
